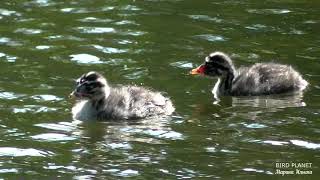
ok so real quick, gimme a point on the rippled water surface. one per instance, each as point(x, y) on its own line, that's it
point(46, 44)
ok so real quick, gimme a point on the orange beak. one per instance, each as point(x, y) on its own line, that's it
point(198, 70)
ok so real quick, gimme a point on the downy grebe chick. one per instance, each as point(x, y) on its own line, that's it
point(98, 100)
point(259, 79)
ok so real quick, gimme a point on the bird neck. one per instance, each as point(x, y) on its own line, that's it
point(224, 84)
point(100, 99)
point(98, 103)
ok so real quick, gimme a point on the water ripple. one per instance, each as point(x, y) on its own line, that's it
point(211, 149)
point(307, 57)
point(74, 10)
point(123, 145)
point(2, 55)
point(182, 64)
point(16, 152)
point(259, 27)
point(28, 31)
point(61, 126)
point(133, 33)
point(228, 151)
point(94, 19)
point(268, 11)
point(5, 12)
point(275, 143)
point(128, 173)
point(211, 38)
point(130, 8)
point(42, 47)
point(4, 40)
point(308, 145)
point(49, 137)
point(44, 3)
point(12, 170)
point(136, 73)
point(9, 42)
point(8, 57)
point(295, 31)
point(107, 8)
point(254, 125)
point(51, 166)
point(78, 10)
point(84, 177)
point(164, 134)
point(9, 95)
point(85, 59)
point(96, 30)
point(33, 109)
point(117, 62)
point(256, 170)
point(205, 18)
point(46, 97)
point(125, 22)
point(109, 50)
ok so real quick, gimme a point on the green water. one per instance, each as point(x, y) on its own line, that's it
point(46, 44)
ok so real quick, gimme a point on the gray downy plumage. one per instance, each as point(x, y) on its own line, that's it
point(98, 100)
point(259, 79)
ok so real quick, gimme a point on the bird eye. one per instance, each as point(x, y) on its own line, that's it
point(82, 80)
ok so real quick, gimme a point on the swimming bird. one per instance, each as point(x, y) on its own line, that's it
point(96, 99)
point(258, 79)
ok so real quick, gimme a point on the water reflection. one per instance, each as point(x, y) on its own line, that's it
point(151, 130)
point(278, 101)
point(254, 107)
point(105, 141)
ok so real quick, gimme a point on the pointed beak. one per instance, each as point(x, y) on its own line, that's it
point(198, 70)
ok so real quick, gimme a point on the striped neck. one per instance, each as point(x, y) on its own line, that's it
point(99, 101)
point(224, 84)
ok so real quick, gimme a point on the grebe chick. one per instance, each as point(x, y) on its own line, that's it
point(258, 79)
point(98, 100)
